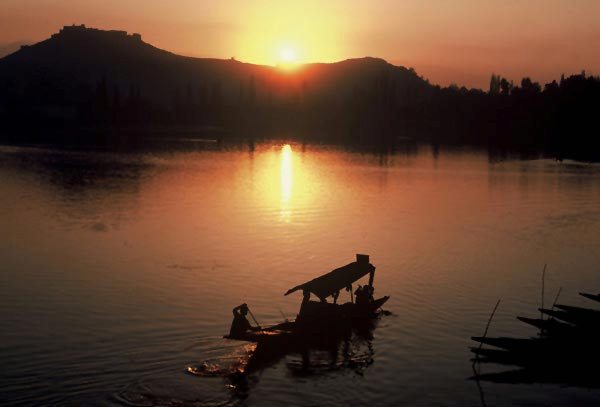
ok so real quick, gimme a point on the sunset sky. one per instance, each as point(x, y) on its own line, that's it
point(462, 41)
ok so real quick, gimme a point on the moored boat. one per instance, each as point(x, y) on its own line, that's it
point(549, 326)
point(581, 319)
point(582, 312)
point(595, 297)
point(566, 350)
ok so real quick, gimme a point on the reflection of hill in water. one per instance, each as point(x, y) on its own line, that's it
point(95, 190)
point(77, 172)
point(79, 169)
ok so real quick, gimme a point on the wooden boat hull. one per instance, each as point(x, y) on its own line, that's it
point(582, 319)
point(336, 321)
point(566, 352)
point(549, 326)
point(514, 344)
point(583, 312)
point(594, 297)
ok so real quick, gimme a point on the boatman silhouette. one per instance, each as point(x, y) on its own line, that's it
point(240, 325)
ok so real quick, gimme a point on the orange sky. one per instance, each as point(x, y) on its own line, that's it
point(460, 41)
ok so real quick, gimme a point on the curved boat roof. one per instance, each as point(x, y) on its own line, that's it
point(337, 279)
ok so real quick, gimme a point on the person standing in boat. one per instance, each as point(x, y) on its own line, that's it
point(305, 298)
point(240, 325)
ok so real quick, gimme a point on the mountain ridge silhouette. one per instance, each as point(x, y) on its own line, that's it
point(87, 55)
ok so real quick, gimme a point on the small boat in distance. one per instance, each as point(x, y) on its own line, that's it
point(322, 318)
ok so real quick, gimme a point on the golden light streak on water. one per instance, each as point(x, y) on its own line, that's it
point(287, 181)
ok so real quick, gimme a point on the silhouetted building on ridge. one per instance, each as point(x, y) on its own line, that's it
point(78, 30)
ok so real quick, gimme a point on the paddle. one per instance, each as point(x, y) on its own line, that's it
point(255, 321)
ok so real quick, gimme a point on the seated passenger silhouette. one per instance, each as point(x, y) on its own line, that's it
point(240, 325)
point(368, 293)
point(364, 296)
point(359, 296)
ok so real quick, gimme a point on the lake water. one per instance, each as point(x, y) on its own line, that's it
point(119, 270)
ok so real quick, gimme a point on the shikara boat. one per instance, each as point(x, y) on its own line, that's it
point(320, 325)
point(321, 318)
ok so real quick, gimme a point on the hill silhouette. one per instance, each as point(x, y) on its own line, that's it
point(78, 56)
point(9, 48)
point(84, 78)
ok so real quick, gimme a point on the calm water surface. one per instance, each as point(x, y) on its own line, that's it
point(119, 270)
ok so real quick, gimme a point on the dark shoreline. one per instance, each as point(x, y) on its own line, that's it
point(178, 138)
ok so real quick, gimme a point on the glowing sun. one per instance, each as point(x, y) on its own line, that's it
point(288, 55)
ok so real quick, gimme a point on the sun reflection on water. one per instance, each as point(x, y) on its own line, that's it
point(287, 181)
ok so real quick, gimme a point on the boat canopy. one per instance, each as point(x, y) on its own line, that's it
point(339, 278)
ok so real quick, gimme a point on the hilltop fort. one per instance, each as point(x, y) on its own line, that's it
point(78, 30)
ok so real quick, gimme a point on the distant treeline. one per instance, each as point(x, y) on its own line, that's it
point(559, 117)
